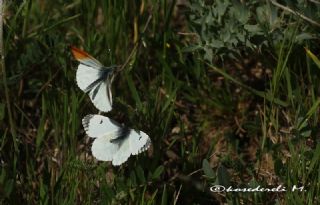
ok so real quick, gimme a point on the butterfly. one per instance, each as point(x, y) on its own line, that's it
point(95, 79)
point(114, 142)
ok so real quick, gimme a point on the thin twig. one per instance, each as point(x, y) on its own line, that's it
point(295, 12)
point(176, 198)
point(194, 172)
point(47, 83)
point(187, 34)
point(314, 1)
point(25, 116)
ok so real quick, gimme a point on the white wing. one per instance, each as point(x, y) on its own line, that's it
point(123, 152)
point(139, 142)
point(103, 149)
point(100, 98)
point(97, 126)
point(134, 144)
point(86, 75)
point(96, 81)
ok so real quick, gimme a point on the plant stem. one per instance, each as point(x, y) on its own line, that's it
point(295, 13)
point(4, 76)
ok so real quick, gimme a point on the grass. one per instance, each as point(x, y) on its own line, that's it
point(208, 124)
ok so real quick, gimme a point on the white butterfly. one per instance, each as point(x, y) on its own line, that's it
point(114, 142)
point(94, 79)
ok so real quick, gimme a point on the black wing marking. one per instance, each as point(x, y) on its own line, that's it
point(146, 146)
point(122, 133)
point(103, 74)
point(95, 91)
point(86, 121)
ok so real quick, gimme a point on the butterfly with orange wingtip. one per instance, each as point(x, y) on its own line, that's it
point(95, 79)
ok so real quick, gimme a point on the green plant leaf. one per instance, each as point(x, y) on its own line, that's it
point(140, 174)
point(158, 172)
point(164, 198)
point(313, 57)
point(207, 169)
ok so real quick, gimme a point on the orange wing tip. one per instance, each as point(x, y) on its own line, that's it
point(79, 54)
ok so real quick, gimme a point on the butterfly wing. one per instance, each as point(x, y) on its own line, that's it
point(95, 79)
point(101, 96)
point(103, 130)
point(85, 58)
point(97, 126)
point(139, 142)
point(87, 77)
point(102, 149)
point(131, 144)
point(123, 152)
